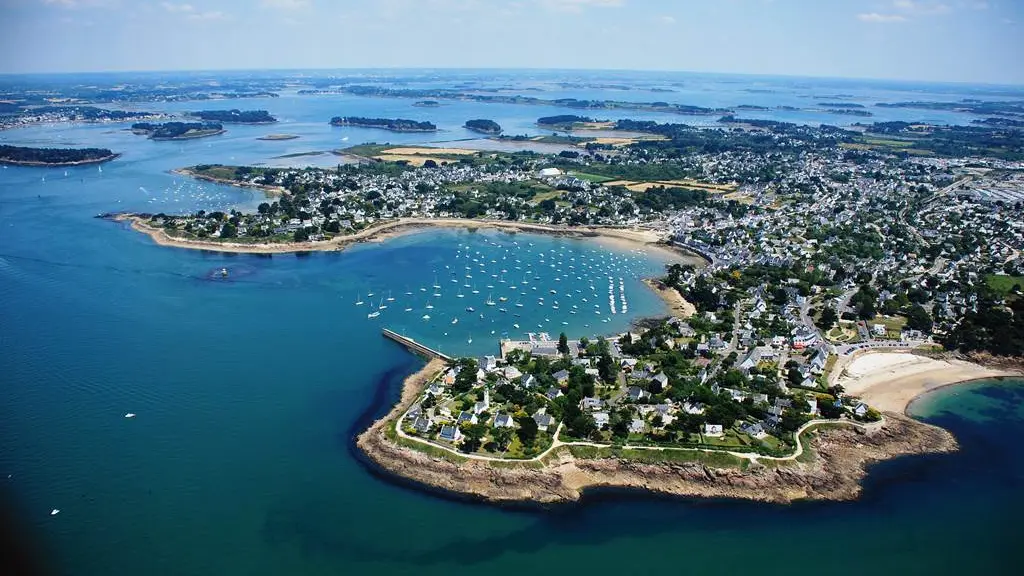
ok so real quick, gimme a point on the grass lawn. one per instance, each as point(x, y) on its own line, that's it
point(1003, 285)
point(592, 177)
point(547, 195)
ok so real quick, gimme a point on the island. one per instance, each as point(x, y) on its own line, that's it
point(274, 137)
point(177, 130)
point(427, 104)
point(24, 156)
point(392, 124)
point(484, 127)
point(235, 116)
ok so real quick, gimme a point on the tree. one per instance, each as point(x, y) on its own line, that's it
point(502, 437)
point(472, 435)
point(301, 235)
point(919, 319)
point(563, 343)
point(263, 208)
point(828, 319)
point(229, 231)
point(527, 431)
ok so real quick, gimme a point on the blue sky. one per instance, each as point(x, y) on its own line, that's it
point(942, 40)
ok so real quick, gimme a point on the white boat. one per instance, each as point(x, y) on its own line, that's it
point(390, 298)
point(426, 316)
point(359, 301)
point(430, 306)
point(130, 415)
point(502, 299)
point(54, 512)
point(455, 320)
point(489, 302)
point(469, 309)
point(515, 325)
point(382, 305)
point(369, 294)
point(373, 314)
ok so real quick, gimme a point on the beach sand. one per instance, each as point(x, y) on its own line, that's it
point(889, 381)
point(676, 303)
point(625, 238)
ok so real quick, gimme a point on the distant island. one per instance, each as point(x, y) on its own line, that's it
point(23, 156)
point(427, 104)
point(278, 137)
point(393, 124)
point(849, 112)
point(484, 126)
point(235, 116)
point(841, 105)
point(177, 130)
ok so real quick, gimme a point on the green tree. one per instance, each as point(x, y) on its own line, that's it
point(563, 343)
point(828, 319)
point(919, 319)
point(473, 434)
point(527, 430)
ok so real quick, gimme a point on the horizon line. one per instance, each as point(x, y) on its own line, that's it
point(514, 69)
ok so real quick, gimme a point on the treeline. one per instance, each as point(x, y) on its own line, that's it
point(562, 120)
point(1006, 142)
point(52, 156)
point(485, 126)
point(973, 106)
point(993, 327)
point(660, 198)
point(235, 116)
point(169, 130)
point(394, 124)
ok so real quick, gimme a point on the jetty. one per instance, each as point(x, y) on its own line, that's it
point(415, 346)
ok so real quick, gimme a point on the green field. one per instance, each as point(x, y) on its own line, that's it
point(597, 179)
point(1003, 285)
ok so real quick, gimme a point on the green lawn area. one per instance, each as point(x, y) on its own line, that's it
point(546, 195)
point(1003, 285)
point(597, 179)
point(715, 459)
point(893, 324)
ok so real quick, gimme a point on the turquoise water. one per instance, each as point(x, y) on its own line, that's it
point(248, 392)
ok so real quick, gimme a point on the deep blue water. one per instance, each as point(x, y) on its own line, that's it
point(247, 392)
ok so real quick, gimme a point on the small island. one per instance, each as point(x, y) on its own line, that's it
point(484, 127)
point(177, 130)
point(235, 116)
point(427, 104)
point(23, 156)
point(392, 124)
point(274, 137)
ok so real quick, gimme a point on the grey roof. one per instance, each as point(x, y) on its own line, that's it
point(448, 432)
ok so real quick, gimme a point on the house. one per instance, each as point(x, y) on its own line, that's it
point(636, 393)
point(528, 381)
point(544, 421)
point(512, 373)
point(755, 430)
point(601, 419)
point(484, 404)
point(716, 343)
point(818, 360)
point(637, 426)
point(489, 363)
point(435, 389)
point(591, 403)
point(553, 393)
point(861, 409)
point(466, 416)
point(661, 379)
point(813, 403)
point(562, 376)
point(421, 425)
point(693, 408)
point(414, 412)
point(504, 421)
point(713, 430)
point(450, 433)
point(803, 336)
point(878, 329)
point(760, 398)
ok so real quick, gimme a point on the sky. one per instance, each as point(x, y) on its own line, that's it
point(932, 40)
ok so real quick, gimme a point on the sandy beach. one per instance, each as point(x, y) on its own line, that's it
point(620, 237)
point(673, 299)
point(889, 381)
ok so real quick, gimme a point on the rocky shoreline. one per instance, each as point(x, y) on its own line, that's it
point(832, 468)
point(60, 164)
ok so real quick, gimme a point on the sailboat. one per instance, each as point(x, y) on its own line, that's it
point(470, 341)
point(390, 298)
point(455, 320)
point(382, 305)
point(475, 291)
point(489, 302)
point(460, 294)
point(359, 301)
point(374, 314)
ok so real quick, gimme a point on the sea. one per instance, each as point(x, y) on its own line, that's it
point(247, 390)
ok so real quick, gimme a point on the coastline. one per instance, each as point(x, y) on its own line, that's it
point(678, 305)
point(187, 136)
point(60, 164)
point(838, 459)
point(892, 381)
point(626, 238)
point(272, 191)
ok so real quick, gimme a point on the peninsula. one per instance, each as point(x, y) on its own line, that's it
point(392, 124)
point(177, 130)
point(24, 156)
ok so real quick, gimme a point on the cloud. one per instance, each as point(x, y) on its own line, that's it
point(286, 4)
point(178, 8)
point(876, 18)
point(206, 16)
point(579, 5)
point(920, 7)
point(667, 19)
